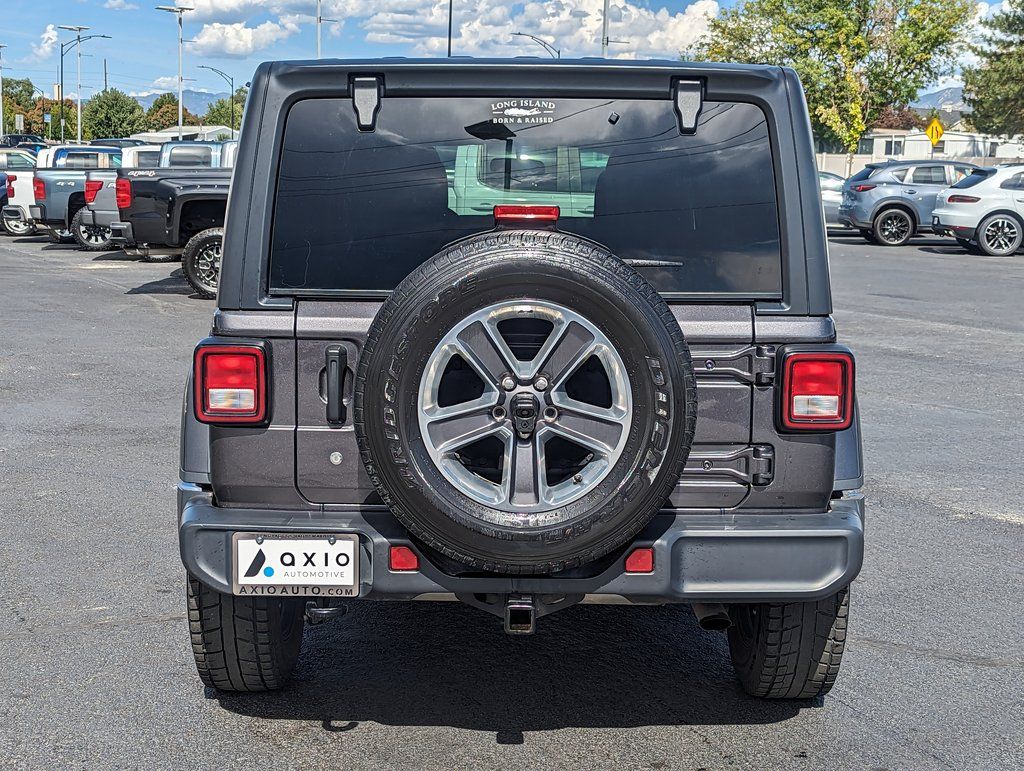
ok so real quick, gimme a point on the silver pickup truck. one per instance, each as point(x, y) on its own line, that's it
point(59, 191)
point(101, 195)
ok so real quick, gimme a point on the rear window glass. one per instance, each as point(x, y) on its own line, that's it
point(359, 211)
point(191, 156)
point(929, 175)
point(81, 160)
point(147, 159)
point(972, 179)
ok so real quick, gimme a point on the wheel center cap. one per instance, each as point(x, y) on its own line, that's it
point(525, 408)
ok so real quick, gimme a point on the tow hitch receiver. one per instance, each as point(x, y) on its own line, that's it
point(520, 614)
point(318, 613)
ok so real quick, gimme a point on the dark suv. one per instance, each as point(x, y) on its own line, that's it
point(523, 335)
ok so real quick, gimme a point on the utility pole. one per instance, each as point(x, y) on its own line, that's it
point(450, 27)
point(2, 47)
point(104, 73)
point(605, 40)
point(320, 20)
point(180, 11)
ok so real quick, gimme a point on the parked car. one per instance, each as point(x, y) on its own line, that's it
point(984, 211)
point(12, 140)
point(178, 209)
point(59, 192)
point(831, 196)
point(32, 147)
point(403, 402)
point(20, 166)
point(892, 202)
point(122, 143)
point(100, 210)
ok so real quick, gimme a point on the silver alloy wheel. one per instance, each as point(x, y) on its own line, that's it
point(1002, 235)
point(208, 266)
point(93, 234)
point(894, 227)
point(19, 227)
point(524, 405)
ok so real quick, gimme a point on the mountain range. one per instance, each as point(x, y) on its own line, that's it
point(196, 102)
point(949, 99)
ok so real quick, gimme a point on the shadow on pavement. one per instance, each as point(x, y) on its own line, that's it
point(427, 664)
point(173, 284)
point(117, 255)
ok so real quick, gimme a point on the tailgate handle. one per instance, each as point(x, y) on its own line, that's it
point(337, 363)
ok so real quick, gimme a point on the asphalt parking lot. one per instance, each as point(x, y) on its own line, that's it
point(96, 666)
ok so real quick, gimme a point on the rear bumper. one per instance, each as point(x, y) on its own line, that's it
point(15, 213)
point(698, 557)
point(38, 214)
point(958, 225)
point(99, 219)
point(121, 233)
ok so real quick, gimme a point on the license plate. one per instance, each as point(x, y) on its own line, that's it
point(296, 566)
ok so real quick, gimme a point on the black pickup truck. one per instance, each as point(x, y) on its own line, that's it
point(167, 212)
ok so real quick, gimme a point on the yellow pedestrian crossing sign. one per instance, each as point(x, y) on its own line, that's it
point(934, 131)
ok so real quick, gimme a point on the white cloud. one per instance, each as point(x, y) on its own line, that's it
point(120, 5)
point(47, 42)
point(166, 82)
point(239, 40)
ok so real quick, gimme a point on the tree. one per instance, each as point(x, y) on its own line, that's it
point(17, 100)
point(219, 113)
point(112, 113)
point(995, 87)
point(854, 57)
point(163, 113)
point(898, 117)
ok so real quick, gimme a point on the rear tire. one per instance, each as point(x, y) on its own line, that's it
point(869, 236)
point(200, 262)
point(893, 227)
point(90, 237)
point(1000, 235)
point(61, 236)
point(969, 246)
point(19, 228)
point(243, 644)
point(789, 650)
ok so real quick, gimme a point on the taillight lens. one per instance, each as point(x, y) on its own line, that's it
point(230, 384)
point(38, 189)
point(817, 391)
point(525, 213)
point(963, 199)
point(10, 185)
point(92, 187)
point(863, 188)
point(123, 193)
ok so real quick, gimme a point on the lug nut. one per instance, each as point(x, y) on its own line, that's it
point(540, 383)
point(498, 413)
point(508, 383)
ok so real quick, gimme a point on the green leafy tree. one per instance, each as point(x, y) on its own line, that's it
point(219, 113)
point(17, 101)
point(112, 113)
point(854, 57)
point(163, 113)
point(898, 117)
point(995, 87)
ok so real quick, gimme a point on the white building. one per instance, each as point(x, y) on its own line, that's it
point(195, 133)
point(902, 144)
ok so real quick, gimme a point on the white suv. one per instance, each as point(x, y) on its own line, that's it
point(984, 211)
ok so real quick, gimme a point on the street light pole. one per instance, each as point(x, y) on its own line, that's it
point(64, 48)
point(320, 20)
point(450, 28)
point(2, 47)
point(231, 85)
point(180, 11)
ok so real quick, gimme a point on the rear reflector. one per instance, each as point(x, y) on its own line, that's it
point(817, 391)
point(640, 560)
point(403, 558)
point(92, 187)
point(963, 199)
point(123, 193)
point(863, 188)
point(230, 384)
point(523, 213)
point(38, 189)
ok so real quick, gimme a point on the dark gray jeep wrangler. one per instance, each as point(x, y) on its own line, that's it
point(526, 335)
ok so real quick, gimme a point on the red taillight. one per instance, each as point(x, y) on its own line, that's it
point(863, 188)
point(508, 212)
point(123, 193)
point(963, 199)
point(640, 560)
point(92, 187)
point(817, 391)
point(230, 384)
point(403, 558)
point(38, 189)
point(10, 185)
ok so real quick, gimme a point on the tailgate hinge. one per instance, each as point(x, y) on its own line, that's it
point(751, 364)
point(366, 93)
point(753, 465)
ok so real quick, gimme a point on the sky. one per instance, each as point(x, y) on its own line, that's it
point(236, 35)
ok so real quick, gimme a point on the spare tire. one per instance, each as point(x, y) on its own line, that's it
point(525, 402)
